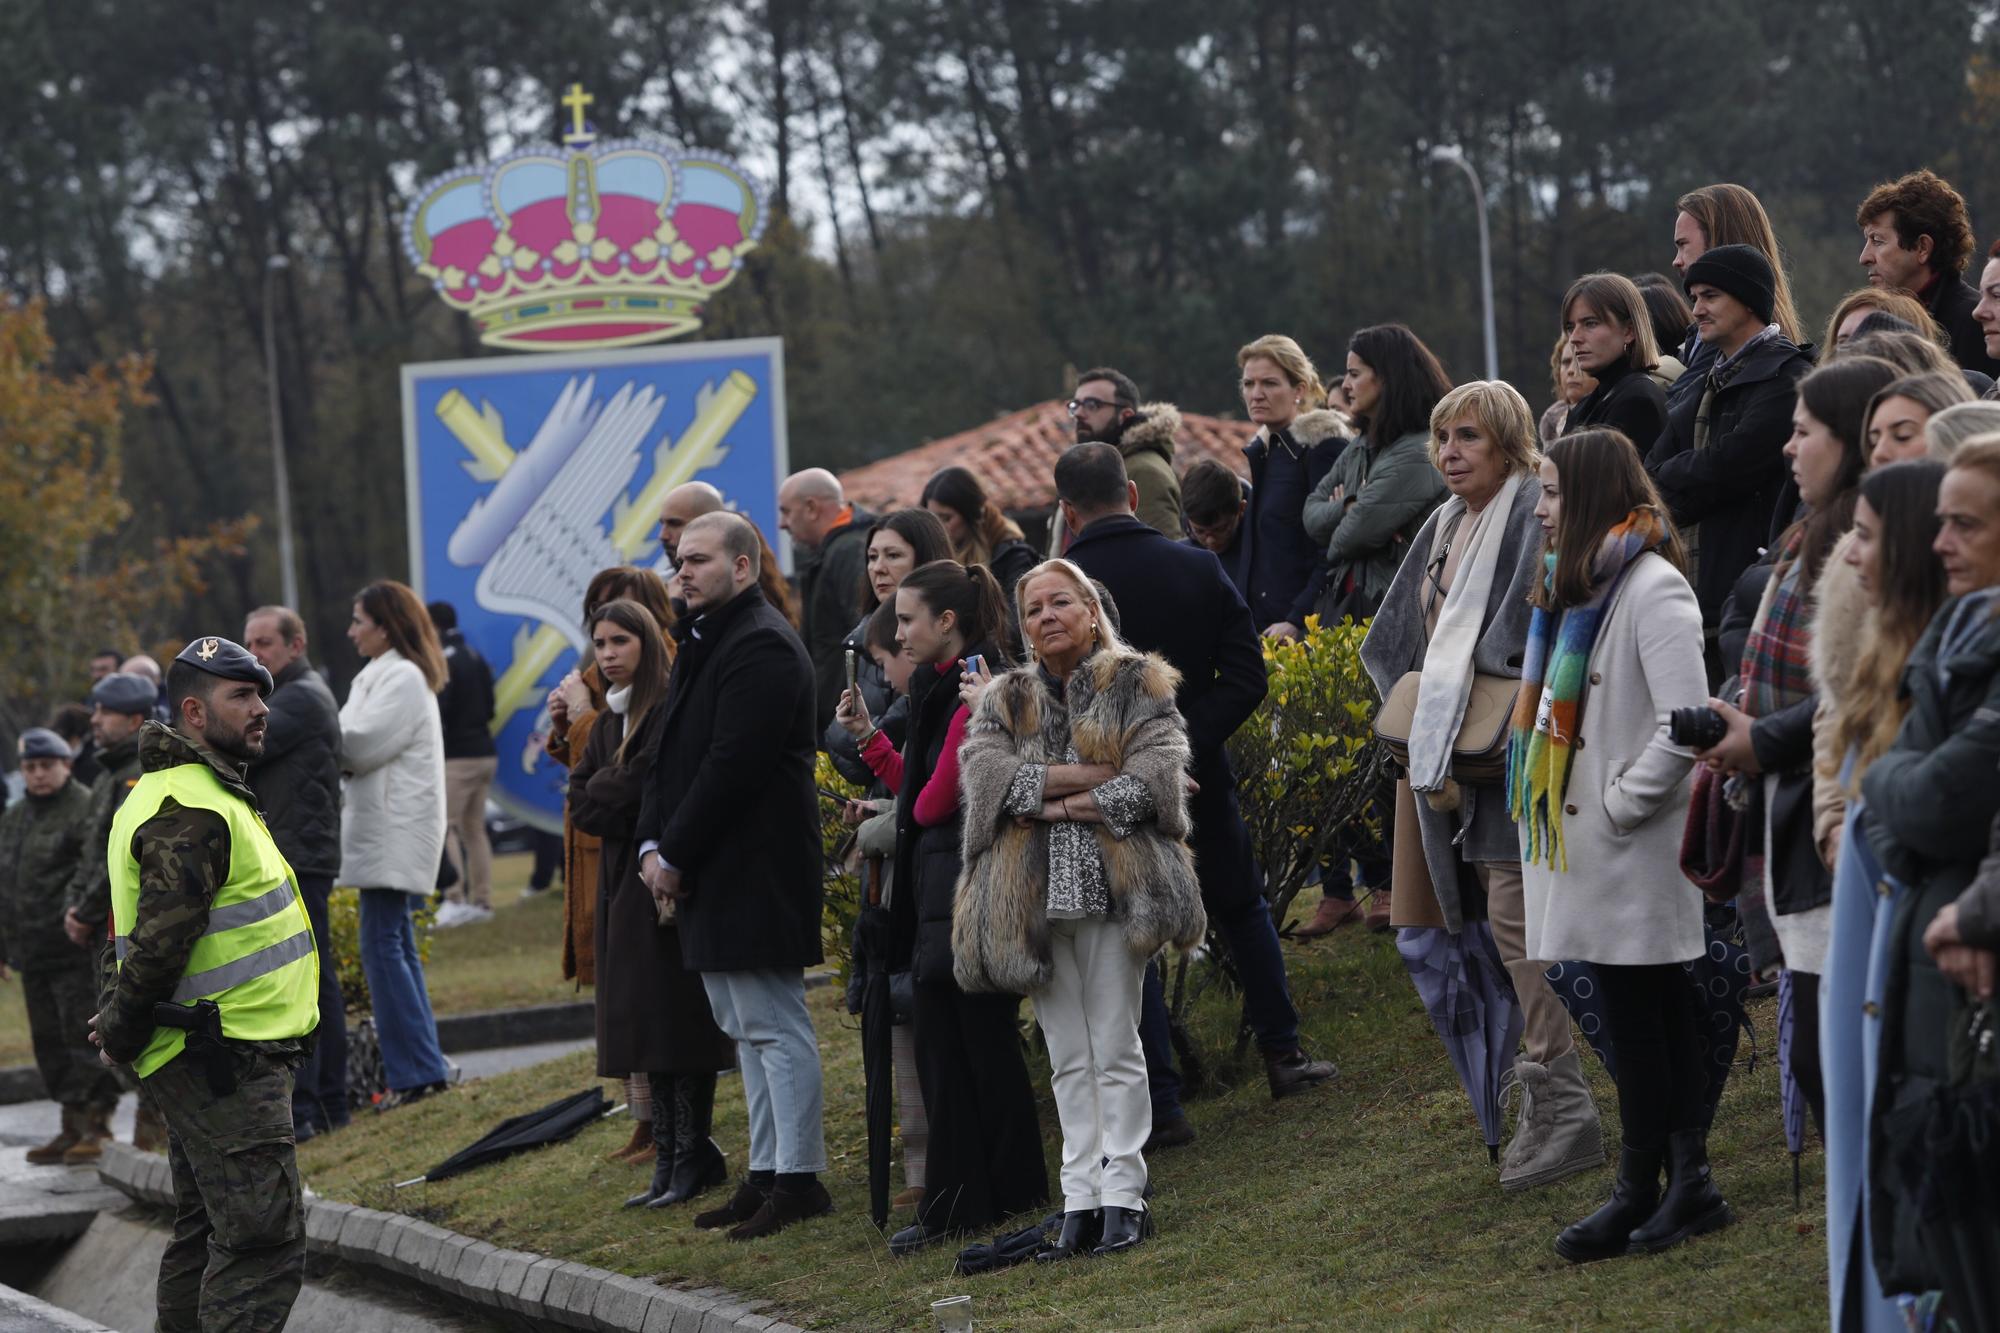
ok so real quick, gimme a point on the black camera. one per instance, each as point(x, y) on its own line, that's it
point(1698, 728)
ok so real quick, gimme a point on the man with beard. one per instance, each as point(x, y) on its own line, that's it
point(120, 704)
point(1107, 410)
point(216, 996)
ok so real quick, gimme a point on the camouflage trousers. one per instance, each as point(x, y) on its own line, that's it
point(238, 1254)
point(60, 1002)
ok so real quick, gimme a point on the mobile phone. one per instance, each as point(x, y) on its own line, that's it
point(850, 668)
point(975, 665)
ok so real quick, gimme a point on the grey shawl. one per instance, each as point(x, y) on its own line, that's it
point(1122, 713)
point(1480, 829)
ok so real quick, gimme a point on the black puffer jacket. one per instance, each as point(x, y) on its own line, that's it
point(1931, 802)
point(927, 859)
point(465, 705)
point(1731, 488)
point(297, 781)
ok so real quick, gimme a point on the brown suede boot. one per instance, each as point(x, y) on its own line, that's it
point(1333, 913)
point(51, 1153)
point(149, 1132)
point(96, 1132)
point(639, 1148)
point(1380, 906)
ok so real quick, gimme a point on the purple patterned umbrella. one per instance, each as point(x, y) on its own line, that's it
point(1791, 1099)
point(1471, 1002)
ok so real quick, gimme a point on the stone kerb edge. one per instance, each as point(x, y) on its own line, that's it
point(545, 1289)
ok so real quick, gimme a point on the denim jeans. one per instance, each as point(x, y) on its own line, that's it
point(764, 1012)
point(402, 1004)
point(319, 1096)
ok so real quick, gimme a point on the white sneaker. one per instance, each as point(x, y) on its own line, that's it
point(449, 915)
point(475, 913)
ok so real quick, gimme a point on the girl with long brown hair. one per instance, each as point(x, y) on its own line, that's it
point(653, 1014)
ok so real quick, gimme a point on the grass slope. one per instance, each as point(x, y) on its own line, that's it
point(1366, 1205)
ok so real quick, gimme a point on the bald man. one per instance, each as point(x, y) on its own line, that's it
point(831, 536)
point(684, 503)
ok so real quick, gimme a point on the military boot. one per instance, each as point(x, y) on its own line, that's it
point(95, 1130)
point(51, 1153)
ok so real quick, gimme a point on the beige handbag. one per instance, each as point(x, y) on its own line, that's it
point(1479, 754)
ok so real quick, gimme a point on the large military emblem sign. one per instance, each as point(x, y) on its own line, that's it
point(528, 474)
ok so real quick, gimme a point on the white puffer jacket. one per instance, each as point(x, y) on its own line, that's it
point(392, 817)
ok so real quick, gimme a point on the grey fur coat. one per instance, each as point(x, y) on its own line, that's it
point(1121, 712)
point(1397, 638)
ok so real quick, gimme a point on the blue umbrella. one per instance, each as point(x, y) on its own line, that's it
point(1791, 1100)
point(1721, 974)
point(1471, 1002)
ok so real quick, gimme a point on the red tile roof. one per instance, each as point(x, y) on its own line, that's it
point(1014, 458)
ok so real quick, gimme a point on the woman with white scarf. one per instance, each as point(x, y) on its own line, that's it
point(1458, 607)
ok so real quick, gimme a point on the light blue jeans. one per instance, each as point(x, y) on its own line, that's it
point(401, 1001)
point(764, 1012)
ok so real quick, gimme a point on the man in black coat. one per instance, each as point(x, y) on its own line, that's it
point(1215, 503)
point(831, 540)
point(465, 710)
point(730, 836)
point(1720, 464)
point(1176, 601)
point(1917, 235)
point(297, 782)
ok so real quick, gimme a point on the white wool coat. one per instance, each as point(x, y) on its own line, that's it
point(1623, 898)
point(392, 816)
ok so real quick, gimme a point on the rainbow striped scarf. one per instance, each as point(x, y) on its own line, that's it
point(1552, 675)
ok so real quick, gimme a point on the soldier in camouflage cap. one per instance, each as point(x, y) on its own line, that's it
point(195, 879)
point(41, 842)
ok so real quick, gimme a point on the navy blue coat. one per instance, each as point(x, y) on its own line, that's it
point(1284, 562)
point(1175, 600)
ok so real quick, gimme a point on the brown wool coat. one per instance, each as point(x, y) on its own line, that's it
point(1122, 713)
point(581, 851)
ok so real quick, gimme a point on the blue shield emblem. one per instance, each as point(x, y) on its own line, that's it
point(528, 474)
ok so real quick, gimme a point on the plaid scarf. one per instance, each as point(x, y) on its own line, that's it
point(1776, 671)
point(1552, 676)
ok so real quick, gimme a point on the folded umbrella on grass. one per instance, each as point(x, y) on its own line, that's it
point(1471, 1003)
point(553, 1123)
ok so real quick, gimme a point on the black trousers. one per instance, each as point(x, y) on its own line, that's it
point(985, 1159)
point(1655, 1018)
point(1805, 1047)
point(319, 1095)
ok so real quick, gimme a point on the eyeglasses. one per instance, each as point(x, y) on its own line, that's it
point(1078, 406)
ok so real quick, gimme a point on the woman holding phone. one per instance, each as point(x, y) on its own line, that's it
point(985, 1157)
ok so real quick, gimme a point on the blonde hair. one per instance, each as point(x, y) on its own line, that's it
point(1949, 430)
point(1503, 417)
point(1981, 453)
point(1289, 357)
point(1107, 633)
point(1890, 301)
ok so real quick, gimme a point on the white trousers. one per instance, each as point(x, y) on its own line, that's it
point(1089, 1014)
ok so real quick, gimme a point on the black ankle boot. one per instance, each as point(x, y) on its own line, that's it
point(698, 1163)
point(1079, 1235)
point(1692, 1206)
point(662, 1086)
point(1124, 1228)
point(1608, 1231)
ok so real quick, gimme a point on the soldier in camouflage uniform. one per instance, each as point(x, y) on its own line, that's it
point(120, 704)
point(237, 1257)
point(41, 840)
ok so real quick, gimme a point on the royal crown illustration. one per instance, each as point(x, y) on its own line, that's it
point(594, 244)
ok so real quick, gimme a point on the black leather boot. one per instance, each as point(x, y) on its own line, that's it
point(1124, 1228)
point(698, 1163)
point(1692, 1206)
point(1079, 1235)
point(1293, 1071)
point(663, 1140)
point(1608, 1231)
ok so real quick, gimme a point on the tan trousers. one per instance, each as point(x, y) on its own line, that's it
point(466, 782)
point(1546, 1034)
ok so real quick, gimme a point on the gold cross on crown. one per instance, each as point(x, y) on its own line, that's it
point(576, 99)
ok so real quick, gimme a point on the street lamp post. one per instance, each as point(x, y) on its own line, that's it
point(1454, 155)
point(280, 477)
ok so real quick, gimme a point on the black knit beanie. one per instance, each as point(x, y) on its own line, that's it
point(1740, 270)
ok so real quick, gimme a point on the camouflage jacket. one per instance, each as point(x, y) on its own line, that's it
point(183, 855)
point(41, 840)
point(90, 887)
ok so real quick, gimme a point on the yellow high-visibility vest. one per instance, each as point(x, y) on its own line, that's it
point(256, 959)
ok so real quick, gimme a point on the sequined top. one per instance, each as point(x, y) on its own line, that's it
point(1077, 885)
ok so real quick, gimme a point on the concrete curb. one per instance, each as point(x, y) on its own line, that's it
point(20, 1310)
point(547, 1291)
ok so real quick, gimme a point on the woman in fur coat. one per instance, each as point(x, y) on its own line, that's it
point(1077, 870)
